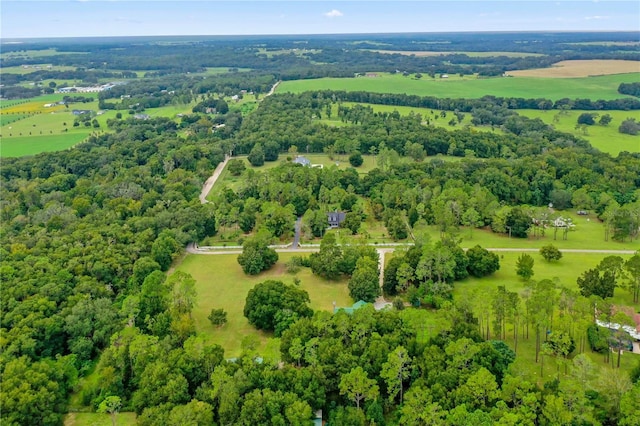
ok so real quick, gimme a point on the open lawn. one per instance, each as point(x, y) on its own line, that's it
point(588, 233)
point(605, 138)
point(220, 283)
point(97, 419)
point(601, 87)
point(581, 68)
point(566, 270)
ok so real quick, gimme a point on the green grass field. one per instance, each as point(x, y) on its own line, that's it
point(605, 138)
point(31, 145)
point(566, 272)
point(433, 115)
point(96, 419)
point(471, 54)
point(40, 129)
point(33, 68)
point(228, 290)
point(601, 87)
point(35, 53)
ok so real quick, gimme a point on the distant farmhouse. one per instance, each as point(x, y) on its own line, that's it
point(336, 218)
point(141, 116)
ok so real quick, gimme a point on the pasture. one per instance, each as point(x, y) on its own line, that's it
point(605, 138)
point(31, 145)
point(581, 68)
point(221, 283)
point(28, 69)
point(28, 127)
point(601, 87)
point(15, 54)
point(422, 53)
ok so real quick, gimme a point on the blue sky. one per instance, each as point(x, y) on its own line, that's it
point(74, 18)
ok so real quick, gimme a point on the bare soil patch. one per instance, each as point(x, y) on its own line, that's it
point(581, 68)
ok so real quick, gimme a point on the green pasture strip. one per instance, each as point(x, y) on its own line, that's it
point(471, 54)
point(36, 53)
point(31, 145)
point(34, 68)
point(220, 283)
point(605, 138)
point(600, 87)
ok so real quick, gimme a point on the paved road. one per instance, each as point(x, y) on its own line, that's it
point(296, 235)
point(212, 180)
point(201, 250)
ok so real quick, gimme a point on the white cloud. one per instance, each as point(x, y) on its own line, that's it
point(333, 14)
point(589, 18)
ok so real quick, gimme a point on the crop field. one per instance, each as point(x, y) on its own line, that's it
point(229, 290)
point(419, 53)
point(31, 145)
point(605, 138)
point(601, 87)
point(581, 68)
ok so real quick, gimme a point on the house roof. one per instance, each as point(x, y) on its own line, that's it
point(302, 160)
point(350, 309)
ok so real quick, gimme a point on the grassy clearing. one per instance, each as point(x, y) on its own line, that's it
point(97, 419)
point(433, 115)
point(566, 272)
point(601, 87)
point(605, 138)
point(228, 290)
point(587, 234)
point(581, 68)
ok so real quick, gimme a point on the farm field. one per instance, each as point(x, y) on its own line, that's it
point(419, 53)
point(601, 87)
point(229, 290)
point(38, 67)
point(31, 145)
point(605, 138)
point(36, 53)
point(581, 68)
point(21, 124)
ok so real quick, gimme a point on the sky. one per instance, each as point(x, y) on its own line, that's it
point(91, 18)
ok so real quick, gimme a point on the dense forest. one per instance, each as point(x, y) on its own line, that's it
point(88, 235)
